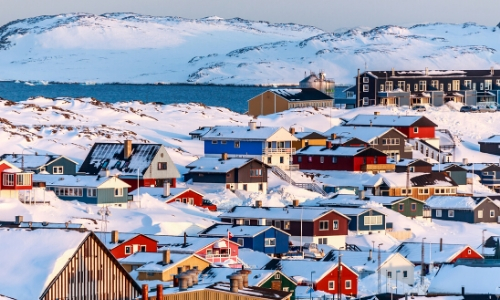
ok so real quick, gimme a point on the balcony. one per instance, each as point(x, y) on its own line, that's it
point(272, 151)
point(377, 167)
point(291, 167)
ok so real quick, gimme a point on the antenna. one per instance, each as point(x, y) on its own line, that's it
point(104, 212)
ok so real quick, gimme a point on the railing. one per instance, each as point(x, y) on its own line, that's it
point(308, 186)
point(217, 256)
point(292, 167)
point(278, 151)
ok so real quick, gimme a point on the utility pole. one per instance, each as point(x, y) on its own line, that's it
point(358, 96)
point(482, 245)
point(339, 270)
point(379, 270)
point(422, 273)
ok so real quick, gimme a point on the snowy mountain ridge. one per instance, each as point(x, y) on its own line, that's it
point(133, 48)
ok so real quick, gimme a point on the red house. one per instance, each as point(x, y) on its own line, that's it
point(122, 245)
point(183, 195)
point(340, 158)
point(325, 275)
point(437, 253)
point(412, 126)
point(14, 180)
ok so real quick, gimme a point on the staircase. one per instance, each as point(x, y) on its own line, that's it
point(307, 186)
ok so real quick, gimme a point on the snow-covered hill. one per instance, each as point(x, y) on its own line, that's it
point(125, 47)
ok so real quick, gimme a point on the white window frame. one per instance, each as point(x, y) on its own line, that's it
point(348, 284)
point(366, 88)
point(456, 85)
point(439, 213)
point(129, 250)
point(373, 220)
point(366, 79)
point(366, 100)
point(480, 214)
point(277, 276)
point(331, 284)
point(492, 213)
point(91, 192)
point(401, 85)
point(237, 144)
point(334, 159)
point(55, 170)
point(270, 242)
point(422, 85)
point(240, 241)
point(451, 213)
point(415, 129)
point(382, 88)
point(286, 225)
point(335, 224)
point(285, 289)
point(325, 223)
point(118, 192)
point(468, 84)
point(488, 84)
point(421, 191)
point(23, 179)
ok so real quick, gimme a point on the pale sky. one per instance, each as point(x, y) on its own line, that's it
point(326, 14)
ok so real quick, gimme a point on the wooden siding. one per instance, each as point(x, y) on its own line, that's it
point(310, 142)
point(407, 211)
point(345, 274)
point(105, 196)
point(69, 167)
point(243, 173)
point(491, 148)
point(464, 254)
point(486, 206)
point(167, 275)
point(284, 280)
point(140, 240)
point(344, 163)
point(92, 273)
point(208, 294)
point(153, 172)
point(414, 192)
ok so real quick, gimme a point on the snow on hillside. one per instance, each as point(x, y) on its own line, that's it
point(125, 47)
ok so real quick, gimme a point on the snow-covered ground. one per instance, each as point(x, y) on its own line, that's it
point(125, 47)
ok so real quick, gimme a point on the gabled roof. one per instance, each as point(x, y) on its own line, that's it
point(481, 167)
point(250, 291)
point(309, 135)
point(301, 270)
point(475, 280)
point(337, 150)
point(429, 73)
point(218, 165)
point(157, 192)
point(237, 230)
point(390, 121)
point(253, 259)
point(256, 278)
point(355, 211)
point(359, 261)
point(123, 237)
point(301, 94)
point(279, 213)
point(260, 133)
point(155, 264)
point(32, 161)
point(494, 139)
point(201, 131)
point(91, 181)
point(406, 162)
point(355, 201)
point(455, 202)
point(448, 167)
point(417, 179)
point(366, 134)
point(413, 252)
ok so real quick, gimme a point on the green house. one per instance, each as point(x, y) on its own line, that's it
point(407, 206)
point(279, 281)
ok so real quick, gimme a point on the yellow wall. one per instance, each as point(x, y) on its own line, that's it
point(167, 274)
point(312, 142)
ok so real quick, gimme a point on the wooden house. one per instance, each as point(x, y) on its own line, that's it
point(416, 185)
point(341, 158)
point(51, 164)
point(307, 139)
point(278, 100)
point(123, 244)
point(61, 264)
point(364, 220)
point(464, 209)
point(413, 166)
point(266, 239)
point(98, 190)
point(324, 275)
point(412, 127)
point(271, 145)
point(177, 195)
point(386, 139)
point(304, 224)
point(455, 171)
point(490, 145)
point(432, 149)
point(366, 263)
point(246, 174)
point(489, 174)
point(15, 183)
point(148, 164)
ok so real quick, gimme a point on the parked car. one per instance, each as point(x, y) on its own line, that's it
point(419, 108)
point(466, 108)
point(487, 108)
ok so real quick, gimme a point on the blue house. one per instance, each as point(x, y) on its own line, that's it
point(364, 220)
point(271, 145)
point(51, 164)
point(98, 190)
point(266, 239)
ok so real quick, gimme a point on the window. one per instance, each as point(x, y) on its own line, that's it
point(223, 142)
point(381, 87)
point(162, 166)
point(277, 224)
point(119, 192)
point(245, 187)
point(269, 223)
point(406, 191)
point(366, 79)
point(469, 251)
point(331, 285)
point(240, 242)
point(373, 220)
point(209, 252)
point(439, 213)
point(322, 241)
point(282, 160)
point(449, 86)
point(310, 159)
point(435, 84)
point(401, 207)
point(236, 144)
point(335, 225)
point(246, 221)
point(481, 86)
point(285, 289)
point(413, 207)
point(143, 248)
point(415, 87)
point(269, 160)
point(323, 225)
point(261, 187)
point(270, 242)
point(405, 274)
point(441, 87)
point(128, 250)
point(488, 84)
point(214, 142)
point(321, 159)
point(423, 191)
point(91, 193)
point(255, 172)
point(492, 213)
point(350, 94)
point(334, 160)
point(392, 141)
point(299, 159)
point(389, 274)
point(498, 82)
point(451, 213)
point(389, 85)
point(480, 214)
point(415, 129)
point(468, 84)
point(401, 85)
point(422, 85)
point(456, 85)
point(68, 191)
point(58, 170)
point(366, 100)
point(347, 284)
point(23, 179)
point(286, 225)
point(366, 88)
point(474, 86)
point(412, 169)
point(277, 276)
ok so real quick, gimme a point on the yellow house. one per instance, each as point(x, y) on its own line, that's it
point(307, 139)
point(278, 100)
point(165, 265)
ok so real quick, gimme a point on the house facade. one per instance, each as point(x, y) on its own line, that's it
point(304, 224)
point(278, 100)
point(431, 150)
point(417, 165)
point(181, 195)
point(245, 174)
point(271, 145)
point(307, 139)
point(427, 87)
point(52, 164)
point(436, 253)
point(364, 220)
point(146, 164)
point(464, 209)
point(122, 244)
point(456, 172)
point(490, 145)
point(488, 173)
point(15, 182)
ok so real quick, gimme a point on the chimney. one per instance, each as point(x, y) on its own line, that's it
point(19, 220)
point(189, 279)
point(114, 237)
point(329, 144)
point(224, 156)
point(465, 161)
point(176, 277)
point(371, 123)
point(252, 125)
point(393, 72)
point(441, 245)
point(104, 173)
point(166, 257)
point(426, 71)
point(370, 255)
point(127, 149)
point(334, 136)
point(376, 113)
point(361, 194)
point(234, 282)
point(292, 130)
point(258, 203)
point(463, 290)
point(185, 239)
point(166, 189)
point(194, 276)
point(183, 282)
point(244, 274)
point(492, 71)
point(145, 290)
point(295, 203)
point(159, 291)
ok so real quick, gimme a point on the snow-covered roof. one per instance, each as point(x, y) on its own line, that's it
point(334, 151)
point(477, 166)
point(301, 94)
point(31, 259)
point(50, 225)
point(476, 280)
point(251, 291)
point(201, 131)
point(383, 120)
point(359, 261)
point(444, 166)
point(453, 202)
point(253, 259)
point(260, 133)
point(413, 252)
point(31, 161)
point(354, 211)
point(157, 192)
point(366, 134)
point(193, 243)
point(237, 230)
point(155, 263)
point(91, 181)
point(217, 165)
point(304, 134)
point(416, 179)
point(300, 270)
point(141, 258)
point(277, 213)
point(404, 162)
point(105, 238)
point(354, 200)
point(494, 139)
point(213, 275)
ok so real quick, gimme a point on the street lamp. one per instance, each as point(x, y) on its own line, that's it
point(312, 285)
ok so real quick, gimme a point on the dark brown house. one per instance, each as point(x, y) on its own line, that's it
point(490, 145)
point(247, 174)
point(305, 224)
point(417, 165)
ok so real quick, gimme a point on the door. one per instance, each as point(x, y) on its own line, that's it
point(276, 285)
point(228, 186)
point(135, 248)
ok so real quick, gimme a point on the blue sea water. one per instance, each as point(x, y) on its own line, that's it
point(232, 97)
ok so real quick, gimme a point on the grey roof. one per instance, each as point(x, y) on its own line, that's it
point(278, 213)
point(301, 94)
point(217, 165)
point(237, 230)
point(385, 120)
point(366, 134)
point(31, 161)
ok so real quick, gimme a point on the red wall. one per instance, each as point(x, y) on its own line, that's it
point(151, 246)
point(233, 246)
point(15, 186)
point(330, 217)
point(145, 182)
point(423, 132)
point(344, 163)
point(345, 274)
point(198, 199)
point(465, 254)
